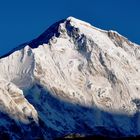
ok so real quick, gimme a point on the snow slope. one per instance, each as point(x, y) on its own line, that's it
point(74, 78)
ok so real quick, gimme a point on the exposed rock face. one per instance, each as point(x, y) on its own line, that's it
point(74, 78)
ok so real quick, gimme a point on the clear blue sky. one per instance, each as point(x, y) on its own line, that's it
point(24, 20)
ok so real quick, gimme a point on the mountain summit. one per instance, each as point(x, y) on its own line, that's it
point(74, 78)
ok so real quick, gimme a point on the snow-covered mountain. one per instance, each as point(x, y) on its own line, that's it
point(74, 78)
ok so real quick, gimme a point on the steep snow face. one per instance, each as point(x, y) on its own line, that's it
point(78, 78)
point(84, 59)
point(18, 67)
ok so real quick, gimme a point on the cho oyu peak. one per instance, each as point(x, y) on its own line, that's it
point(73, 78)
